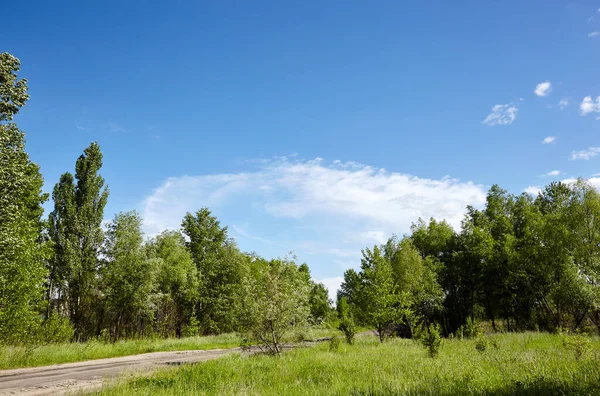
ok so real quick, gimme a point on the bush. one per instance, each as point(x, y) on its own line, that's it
point(347, 325)
point(334, 344)
point(579, 344)
point(55, 329)
point(432, 340)
point(481, 344)
point(191, 329)
point(470, 329)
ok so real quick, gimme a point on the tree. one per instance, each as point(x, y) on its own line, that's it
point(13, 92)
point(220, 267)
point(127, 277)
point(273, 300)
point(176, 285)
point(416, 277)
point(379, 301)
point(320, 304)
point(75, 229)
point(22, 252)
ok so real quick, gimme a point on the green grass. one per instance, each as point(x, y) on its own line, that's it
point(519, 364)
point(16, 357)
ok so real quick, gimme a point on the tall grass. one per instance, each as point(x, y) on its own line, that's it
point(508, 364)
point(15, 357)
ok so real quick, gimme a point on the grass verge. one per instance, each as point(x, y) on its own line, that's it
point(503, 364)
point(17, 357)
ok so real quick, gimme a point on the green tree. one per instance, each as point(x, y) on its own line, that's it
point(176, 282)
point(416, 277)
point(272, 302)
point(380, 303)
point(22, 253)
point(220, 267)
point(320, 304)
point(13, 92)
point(127, 277)
point(75, 229)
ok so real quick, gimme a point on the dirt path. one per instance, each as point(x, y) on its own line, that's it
point(71, 377)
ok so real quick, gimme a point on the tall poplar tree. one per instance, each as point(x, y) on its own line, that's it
point(75, 228)
point(22, 271)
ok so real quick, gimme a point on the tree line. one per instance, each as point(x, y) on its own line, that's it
point(69, 278)
point(521, 263)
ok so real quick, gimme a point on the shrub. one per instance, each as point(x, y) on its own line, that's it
point(191, 329)
point(55, 329)
point(481, 344)
point(432, 340)
point(470, 329)
point(334, 344)
point(579, 344)
point(347, 325)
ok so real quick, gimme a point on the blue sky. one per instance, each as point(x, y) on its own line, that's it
point(313, 127)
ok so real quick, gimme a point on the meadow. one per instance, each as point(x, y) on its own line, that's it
point(499, 364)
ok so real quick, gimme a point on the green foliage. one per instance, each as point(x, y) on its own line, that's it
point(176, 285)
point(578, 343)
point(220, 267)
point(75, 230)
point(431, 340)
point(346, 325)
point(379, 302)
point(127, 277)
point(470, 329)
point(273, 301)
point(22, 250)
point(13, 92)
point(481, 344)
point(319, 302)
point(334, 344)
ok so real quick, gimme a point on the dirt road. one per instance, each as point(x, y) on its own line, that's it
point(71, 377)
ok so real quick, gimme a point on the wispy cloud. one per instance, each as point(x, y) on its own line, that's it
point(80, 127)
point(588, 105)
point(586, 154)
point(117, 128)
point(564, 102)
point(593, 34)
point(501, 115)
point(549, 140)
point(241, 232)
point(543, 88)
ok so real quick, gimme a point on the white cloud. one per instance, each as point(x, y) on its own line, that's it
point(590, 152)
point(297, 189)
point(564, 102)
point(543, 88)
point(593, 34)
point(533, 190)
point(553, 173)
point(549, 140)
point(332, 285)
point(325, 212)
point(588, 105)
point(501, 115)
